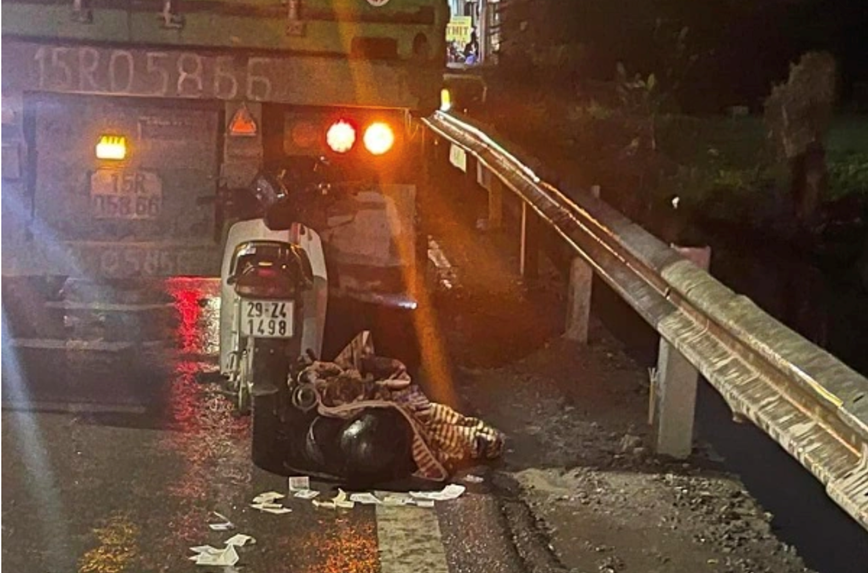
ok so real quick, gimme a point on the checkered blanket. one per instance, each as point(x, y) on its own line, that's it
point(443, 438)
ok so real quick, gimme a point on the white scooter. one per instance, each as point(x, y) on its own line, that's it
point(274, 293)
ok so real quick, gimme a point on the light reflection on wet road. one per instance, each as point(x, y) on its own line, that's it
point(134, 492)
point(111, 493)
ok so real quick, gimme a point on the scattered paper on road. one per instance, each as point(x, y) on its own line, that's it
point(274, 508)
point(214, 557)
point(225, 525)
point(395, 499)
point(240, 540)
point(298, 483)
point(472, 479)
point(268, 497)
point(266, 505)
point(450, 492)
point(204, 549)
point(418, 498)
point(342, 501)
point(277, 511)
point(305, 494)
point(365, 498)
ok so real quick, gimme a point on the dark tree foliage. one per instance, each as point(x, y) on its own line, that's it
point(798, 114)
point(743, 45)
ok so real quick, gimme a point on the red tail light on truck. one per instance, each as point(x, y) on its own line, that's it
point(341, 136)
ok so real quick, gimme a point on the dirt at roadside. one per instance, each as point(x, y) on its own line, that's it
point(578, 460)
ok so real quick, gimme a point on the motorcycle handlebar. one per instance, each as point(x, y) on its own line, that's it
point(281, 199)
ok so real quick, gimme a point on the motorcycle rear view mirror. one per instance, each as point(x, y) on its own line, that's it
point(274, 199)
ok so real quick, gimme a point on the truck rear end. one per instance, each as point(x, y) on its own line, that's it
point(125, 123)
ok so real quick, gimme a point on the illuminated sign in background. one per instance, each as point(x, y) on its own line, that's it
point(459, 30)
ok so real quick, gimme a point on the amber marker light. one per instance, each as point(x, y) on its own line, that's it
point(379, 138)
point(111, 147)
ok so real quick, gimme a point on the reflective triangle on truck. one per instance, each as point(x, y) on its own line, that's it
point(242, 124)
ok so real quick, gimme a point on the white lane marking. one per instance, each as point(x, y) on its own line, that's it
point(438, 258)
point(409, 540)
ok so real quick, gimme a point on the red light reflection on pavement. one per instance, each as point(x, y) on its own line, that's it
point(187, 303)
point(198, 305)
point(204, 433)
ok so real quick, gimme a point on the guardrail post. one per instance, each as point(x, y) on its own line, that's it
point(529, 253)
point(471, 171)
point(495, 202)
point(673, 388)
point(579, 295)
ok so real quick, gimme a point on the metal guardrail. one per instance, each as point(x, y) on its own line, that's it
point(805, 399)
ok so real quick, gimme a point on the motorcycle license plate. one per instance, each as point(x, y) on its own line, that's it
point(267, 318)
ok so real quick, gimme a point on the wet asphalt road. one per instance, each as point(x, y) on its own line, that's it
point(102, 492)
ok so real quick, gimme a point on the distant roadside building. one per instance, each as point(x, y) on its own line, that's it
point(482, 17)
